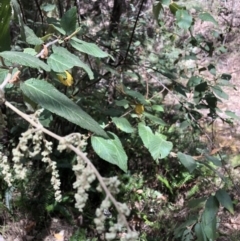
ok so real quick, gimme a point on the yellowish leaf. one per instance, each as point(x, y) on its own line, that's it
point(65, 78)
point(139, 108)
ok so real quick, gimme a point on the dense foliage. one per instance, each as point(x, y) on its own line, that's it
point(105, 118)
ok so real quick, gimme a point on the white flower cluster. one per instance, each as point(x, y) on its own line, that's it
point(75, 139)
point(35, 138)
point(84, 177)
point(117, 227)
point(112, 184)
point(6, 171)
point(52, 167)
point(84, 173)
point(21, 151)
point(100, 217)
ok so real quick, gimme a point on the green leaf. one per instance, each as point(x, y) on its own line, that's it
point(110, 150)
point(207, 17)
point(165, 2)
point(5, 16)
point(59, 29)
point(51, 99)
point(211, 100)
point(214, 160)
point(165, 182)
point(197, 203)
point(145, 133)
point(226, 77)
point(158, 147)
point(123, 124)
point(225, 200)
point(187, 161)
point(154, 119)
point(194, 81)
point(30, 51)
point(168, 73)
point(136, 95)
point(68, 21)
point(199, 232)
point(175, 7)
point(88, 48)
point(217, 90)
point(157, 7)
point(209, 223)
point(212, 69)
point(46, 7)
point(201, 87)
point(191, 221)
point(123, 102)
point(183, 125)
point(46, 118)
point(232, 115)
point(31, 38)
point(57, 61)
point(184, 19)
point(24, 59)
point(3, 74)
point(158, 108)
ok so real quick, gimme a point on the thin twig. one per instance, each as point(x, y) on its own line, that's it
point(47, 45)
point(133, 31)
point(6, 80)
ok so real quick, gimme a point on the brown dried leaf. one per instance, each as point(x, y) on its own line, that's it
point(44, 52)
point(214, 151)
point(15, 78)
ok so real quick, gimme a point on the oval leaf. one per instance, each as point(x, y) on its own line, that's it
point(158, 147)
point(174, 8)
point(110, 150)
point(208, 18)
point(184, 19)
point(123, 124)
point(225, 200)
point(209, 223)
point(51, 99)
point(88, 48)
point(199, 232)
point(232, 115)
point(145, 133)
point(154, 119)
point(57, 61)
point(24, 59)
point(68, 21)
point(31, 37)
point(217, 90)
point(157, 7)
point(187, 161)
